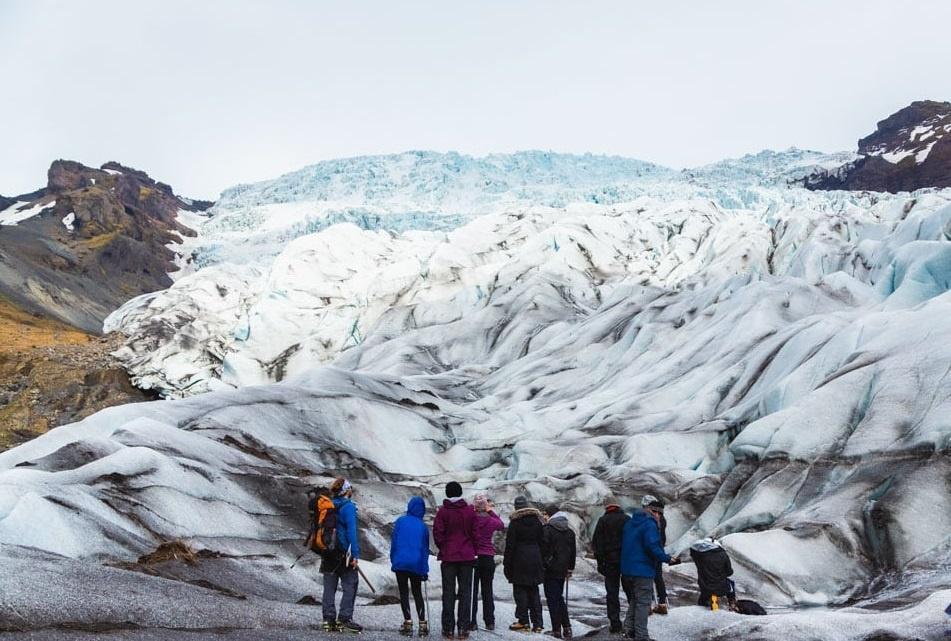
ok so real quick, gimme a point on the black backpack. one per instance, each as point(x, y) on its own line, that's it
point(748, 606)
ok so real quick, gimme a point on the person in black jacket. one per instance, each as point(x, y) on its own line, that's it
point(656, 508)
point(713, 572)
point(523, 565)
point(606, 545)
point(559, 550)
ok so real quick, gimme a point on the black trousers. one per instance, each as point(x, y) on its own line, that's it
point(483, 575)
point(660, 588)
point(555, 598)
point(528, 605)
point(456, 586)
point(612, 585)
point(405, 581)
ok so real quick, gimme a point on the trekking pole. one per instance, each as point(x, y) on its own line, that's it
point(364, 577)
point(297, 559)
point(567, 616)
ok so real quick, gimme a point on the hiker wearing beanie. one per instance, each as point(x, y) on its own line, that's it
point(558, 553)
point(454, 533)
point(523, 565)
point(640, 552)
point(487, 523)
point(713, 572)
point(656, 507)
point(341, 568)
point(409, 560)
point(606, 545)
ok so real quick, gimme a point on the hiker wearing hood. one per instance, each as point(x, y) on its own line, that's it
point(454, 533)
point(606, 545)
point(409, 559)
point(656, 507)
point(523, 565)
point(713, 571)
point(558, 552)
point(341, 569)
point(487, 523)
point(640, 552)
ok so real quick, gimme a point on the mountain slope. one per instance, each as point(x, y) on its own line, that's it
point(909, 150)
point(89, 241)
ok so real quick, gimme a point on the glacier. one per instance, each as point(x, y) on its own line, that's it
point(772, 362)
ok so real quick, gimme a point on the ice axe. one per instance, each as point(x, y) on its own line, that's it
point(348, 560)
point(297, 559)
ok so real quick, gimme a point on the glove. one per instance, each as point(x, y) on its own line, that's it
point(674, 561)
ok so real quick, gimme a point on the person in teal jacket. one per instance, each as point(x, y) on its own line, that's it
point(409, 560)
point(341, 569)
point(641, 551)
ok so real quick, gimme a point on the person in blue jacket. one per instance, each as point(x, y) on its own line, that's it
point(641, 552)
point(341, 568)
point(409, 559)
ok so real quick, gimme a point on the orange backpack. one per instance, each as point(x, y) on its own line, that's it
point(322, 538)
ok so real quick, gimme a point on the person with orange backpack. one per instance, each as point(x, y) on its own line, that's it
point(335, 538)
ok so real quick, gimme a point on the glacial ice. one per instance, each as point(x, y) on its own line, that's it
point(777, 372)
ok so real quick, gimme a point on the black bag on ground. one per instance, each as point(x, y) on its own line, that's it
point(748, 606)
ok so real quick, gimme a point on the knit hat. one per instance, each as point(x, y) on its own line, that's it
point(520, 502)
point(552, 509)
point(647, 500)
point(453, 489)
point(656, 504)
point(481, 503)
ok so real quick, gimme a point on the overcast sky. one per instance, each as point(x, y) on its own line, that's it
point(207, 94)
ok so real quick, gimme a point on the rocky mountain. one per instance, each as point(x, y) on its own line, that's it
point(909, 150)
point(70, 254)
point(90, 240)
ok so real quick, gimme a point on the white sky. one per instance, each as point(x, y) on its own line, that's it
point(206, 94)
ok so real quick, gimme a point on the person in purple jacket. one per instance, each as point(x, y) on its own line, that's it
point(487, 523)
point(454, 533)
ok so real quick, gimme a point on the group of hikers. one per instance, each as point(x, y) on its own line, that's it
point(540, 550)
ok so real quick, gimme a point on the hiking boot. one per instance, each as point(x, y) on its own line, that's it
point(349, 626)
point(538, 630)
point(520, 627)
point(424, 628)
point(490, 626)
point(554, 633)
point(329, 626)
point(407, 628)
point(448, 635)
point(661, 608)
point(462, 636)
point(566, 631)
point(616, 628)
point(473, 627)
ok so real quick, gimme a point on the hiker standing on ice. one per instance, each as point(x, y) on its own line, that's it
point(523, 565)
point(409, 559)
point(559, 549)
point(606, 544)
point(713, 572)
point(341, 568)
point(454, 533)
point(656, 508)
point(640, 553)
point(486, 525)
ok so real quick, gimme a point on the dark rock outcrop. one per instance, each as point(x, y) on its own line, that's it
point(910, 150)
point(103, 238)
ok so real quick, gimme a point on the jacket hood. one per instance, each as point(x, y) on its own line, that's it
point(524, 512)
point(639, 516)
point(416, 507)
point(612, 508)
point(705, 545)
point(559, 521)
point(454, 504)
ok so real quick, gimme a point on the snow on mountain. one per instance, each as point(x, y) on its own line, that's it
point(775, 368)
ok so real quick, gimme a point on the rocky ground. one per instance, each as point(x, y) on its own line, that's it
point(52, 374)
